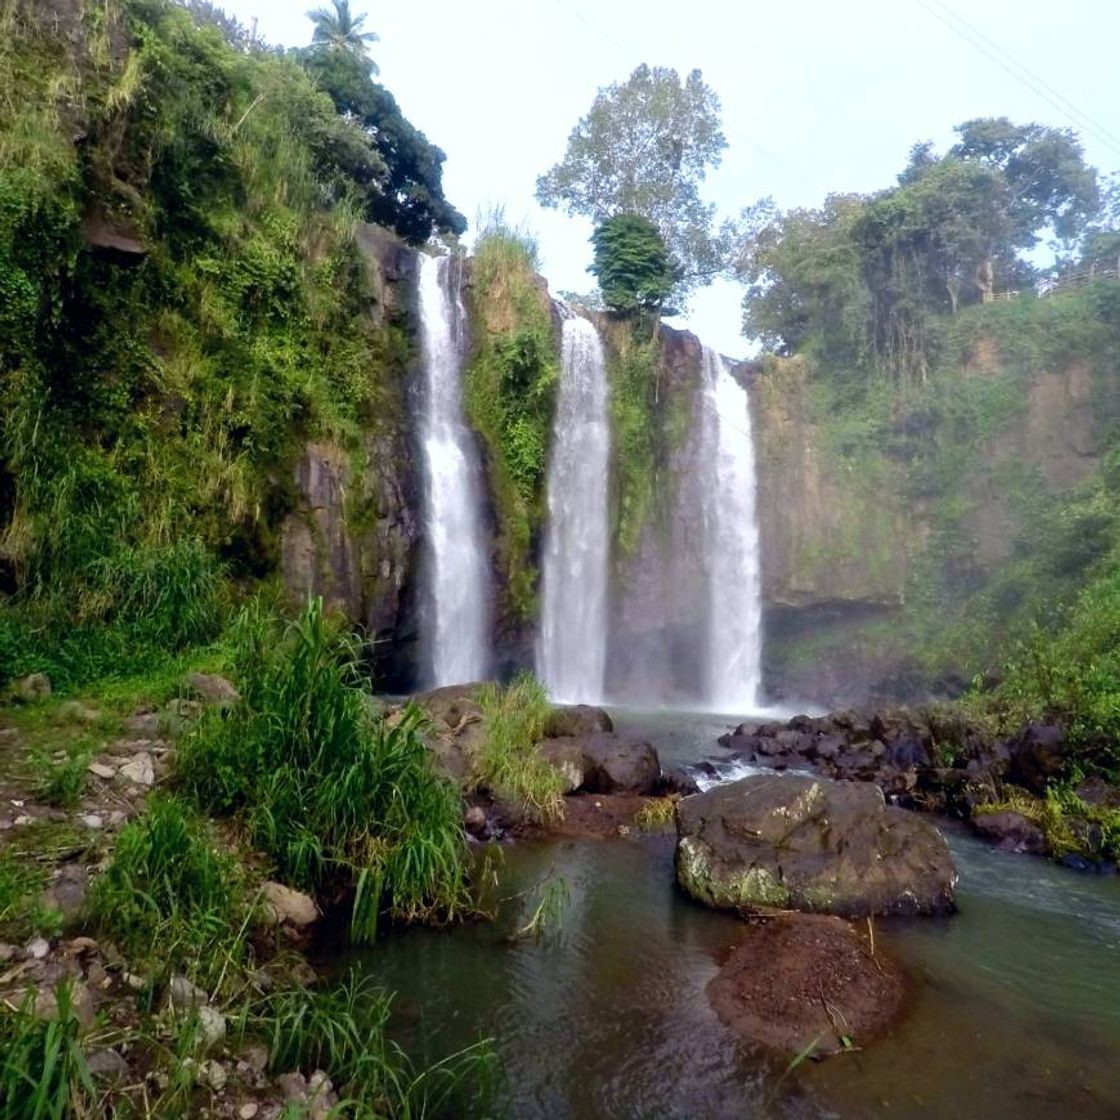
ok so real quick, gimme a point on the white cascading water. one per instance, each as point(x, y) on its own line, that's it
point(455, 611)
point(572, 646)
point(734, 628)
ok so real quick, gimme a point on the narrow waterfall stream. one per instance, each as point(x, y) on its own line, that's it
point(572, 646)
point(734, 627)
point(455, 610)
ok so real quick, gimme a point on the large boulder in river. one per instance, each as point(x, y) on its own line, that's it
point(570, 720)
point(604, 763)
point(806, 843)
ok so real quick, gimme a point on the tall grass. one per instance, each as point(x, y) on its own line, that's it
point(336, 797)
point(43, 1070)
point(510, 765)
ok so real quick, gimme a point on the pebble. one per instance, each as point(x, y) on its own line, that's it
point(38, 949)
point(22, 819)
point(92, 820)
point(248, 1111)
point(139, 771)
point(100, 770)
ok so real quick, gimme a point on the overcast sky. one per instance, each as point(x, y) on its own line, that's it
point(818, 95)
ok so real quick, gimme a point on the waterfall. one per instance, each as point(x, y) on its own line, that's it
point(572, 646)
point(455, 611)
point(733, 651)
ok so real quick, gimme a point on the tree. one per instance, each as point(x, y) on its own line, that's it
point(409, 198)
point(632, 264)
point(643, 149)
point(339, 30)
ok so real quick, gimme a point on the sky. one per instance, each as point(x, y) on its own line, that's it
point(818, 96)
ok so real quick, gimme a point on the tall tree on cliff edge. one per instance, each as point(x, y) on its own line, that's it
point(644, 148)
point(340, 30)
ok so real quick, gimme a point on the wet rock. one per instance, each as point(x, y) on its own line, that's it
point(569, 758)
point(576, 719)
point(474, 819)
point(212, 689)
point(139, 770)
point(620, 765)
point(810, 844)
point(1010, 832)
point(800, 981)
point(1038, 755)
point(32, 688)
point(680, 781)
point(289, 906)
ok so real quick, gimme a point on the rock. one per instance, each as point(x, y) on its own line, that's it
point(289, 906)
point(183, 995)
point(102, 770)
point(566, 721)
point(797, 978)
point(474, 819)
point(74, 711)
point(453, 705)
point(213, 1075)
point(1099, 793)
point(37, 949)
point(569, 758)
point(67, 893)
point(139, 770)
point(1010, 832)
point(32, 688)
point(1038, 755)
point(150, 724)
point(314, 1096)
point(212, 689)
point(212, 1025)
point(7, 952)
point(810, 844)
point(91, 820)
point(179, 712)
point(680, 781)
point(81, 1003)
point(108, 1065)
point(620, 765)
point(248, 1110)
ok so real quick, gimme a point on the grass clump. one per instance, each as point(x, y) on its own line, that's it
point(337, 798)
point(62, 774)
point(1068, 823)
point(656, 813)
point(510, 765)
point(22, 912)
point(43, 1070)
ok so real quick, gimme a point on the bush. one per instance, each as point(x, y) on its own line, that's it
point(332, 793)
point(632, 264)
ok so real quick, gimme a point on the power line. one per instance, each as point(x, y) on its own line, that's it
point(1033, 86)
point(1090, 121)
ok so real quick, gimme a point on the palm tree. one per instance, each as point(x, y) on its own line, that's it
point(338, 30)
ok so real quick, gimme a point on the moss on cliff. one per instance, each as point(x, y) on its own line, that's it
point(510, 395)
point(184, 303)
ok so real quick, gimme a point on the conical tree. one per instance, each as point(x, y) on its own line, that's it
point(339, 30)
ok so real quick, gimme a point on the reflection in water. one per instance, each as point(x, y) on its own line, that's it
point(1017, 1011)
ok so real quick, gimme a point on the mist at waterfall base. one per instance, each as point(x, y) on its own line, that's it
point(455, 614)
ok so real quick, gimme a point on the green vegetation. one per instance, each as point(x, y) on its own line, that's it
point(22, 914)
point(510, 765)
point(331, 793)
point(185, 306)
point(510, 395)
point(656, 813)
point(632, 265)
point(644, 149)
point(1068, 823)
point(43, 1070)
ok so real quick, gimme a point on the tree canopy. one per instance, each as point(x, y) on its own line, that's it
point(632, 264)
point(643, 149)
point(860, 278)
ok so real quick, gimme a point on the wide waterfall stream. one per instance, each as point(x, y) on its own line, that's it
point(455, 607)
point(1016, 1011)
point(572, 646)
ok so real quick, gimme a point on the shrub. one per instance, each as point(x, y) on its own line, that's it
point(331, 792)
point(632, 264)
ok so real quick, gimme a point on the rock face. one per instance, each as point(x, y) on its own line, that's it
point(810, 844)
point(576, 719)
point(604, 763)
point(802, 980)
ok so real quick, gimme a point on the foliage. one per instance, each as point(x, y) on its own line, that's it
point(644, 148)
point(632, 264)
point(1068, 823)
point(656, 813)
point(510, 765)
point(63, 773)
point(168, 881)
point(336, 29)
point(862, 281)
point(510, 392)
point(43, 1070)
point(410, 200)
point(22, 912)
point(331, 792)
